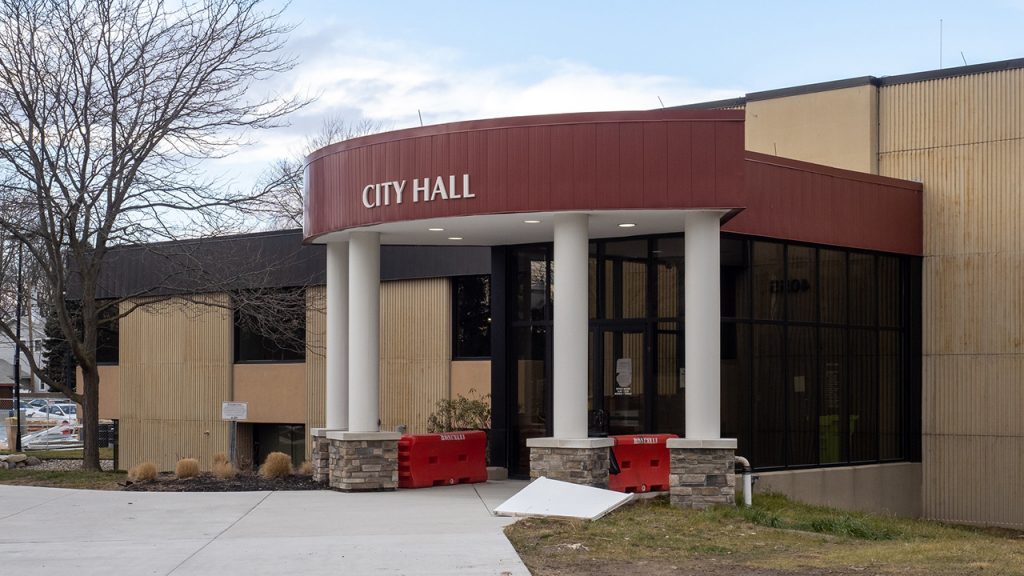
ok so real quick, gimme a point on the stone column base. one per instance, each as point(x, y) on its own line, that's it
point(320, 455)
point(578, 461)
point(702, 472)
point(363, 461)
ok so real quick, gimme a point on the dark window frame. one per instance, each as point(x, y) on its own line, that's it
point(457, 350)
point(288, 355)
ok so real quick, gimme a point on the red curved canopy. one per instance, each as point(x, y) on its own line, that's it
point(651, 161)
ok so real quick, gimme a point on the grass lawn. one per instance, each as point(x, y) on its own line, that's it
point(775, 536)
point(63, 478)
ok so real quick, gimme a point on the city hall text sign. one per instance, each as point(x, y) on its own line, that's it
point(425, 190)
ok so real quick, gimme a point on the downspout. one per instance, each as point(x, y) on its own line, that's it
point(748, 480)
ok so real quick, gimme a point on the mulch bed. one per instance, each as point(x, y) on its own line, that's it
point(206, 482)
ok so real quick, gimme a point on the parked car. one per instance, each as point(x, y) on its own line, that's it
point(58, 412)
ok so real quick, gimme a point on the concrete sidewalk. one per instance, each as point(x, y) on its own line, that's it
point(447, 530)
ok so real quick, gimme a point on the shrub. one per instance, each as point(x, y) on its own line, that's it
point(224, 470)
point(277, 465)
point(461, 413)
point(306, 469)
point(220, 458)
point(142, 472)
point(186, 468)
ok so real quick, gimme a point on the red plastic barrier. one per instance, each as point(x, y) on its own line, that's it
point(442, 459)
point(643, 463)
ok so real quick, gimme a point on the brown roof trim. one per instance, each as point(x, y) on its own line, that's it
point(970, 70)
point(940, 74)
point(831, 171)
point(811, 88)
point(656, 115)
point(714, 104)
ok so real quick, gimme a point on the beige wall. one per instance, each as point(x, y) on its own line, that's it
point(316, 363)
point(886, 488)
point(175, 371)
point(470, 378)
point(276, 393)
point(110, 390)
point(415, 348)
point(415, 351)
point(964, 139)
point(837, 127)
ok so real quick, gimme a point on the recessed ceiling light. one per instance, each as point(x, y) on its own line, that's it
point(436, 229)
point(455, 237)
point(627, 225)
point(531, 221)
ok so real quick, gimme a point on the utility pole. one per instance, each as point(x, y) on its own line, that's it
point(17, 356)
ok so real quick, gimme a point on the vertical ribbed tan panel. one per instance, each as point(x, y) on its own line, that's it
point(415, 350)
point(316, 363)
point(175, 365)
point(964, 139)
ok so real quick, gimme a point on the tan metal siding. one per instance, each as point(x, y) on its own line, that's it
point(964, 139)
point(316, 362)
point(415, 350)
point(175, 368)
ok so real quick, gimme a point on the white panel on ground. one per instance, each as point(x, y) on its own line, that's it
point(546, 497)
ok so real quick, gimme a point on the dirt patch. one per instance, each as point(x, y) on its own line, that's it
point(206, 482)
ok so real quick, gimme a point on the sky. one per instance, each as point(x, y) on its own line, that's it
point(446, 60)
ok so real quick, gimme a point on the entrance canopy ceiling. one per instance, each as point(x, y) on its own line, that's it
point(501, 181)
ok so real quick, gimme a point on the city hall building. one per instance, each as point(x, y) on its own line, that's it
point(825, 279)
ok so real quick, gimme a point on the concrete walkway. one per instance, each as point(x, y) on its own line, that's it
point(448, 530)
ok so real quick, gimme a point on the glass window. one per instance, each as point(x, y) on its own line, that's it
point(769, 281)
point(107, 336)
point(625, 272)
point(832, 359)
point(801, 283)
point(769, 396)
point(531, 279)
point(863, 383)
point(863, 290)
point(530, 379)
point(736, 417)
point(472, 321)
point(670, 403)
point(735, 278)
point(270, 326)
point(890, 396)
point(668, 254)
point(889, 292)
point(832, 285)
point(803, 395)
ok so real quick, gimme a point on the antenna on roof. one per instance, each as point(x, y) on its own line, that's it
point(940, 43)
point(963, 58)
point(660, 102)
point(421, 116)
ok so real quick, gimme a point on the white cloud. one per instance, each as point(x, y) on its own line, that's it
point(358, 77)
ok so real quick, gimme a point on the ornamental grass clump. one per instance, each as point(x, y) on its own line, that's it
point(186, 468)
point(224, 470)
point(220, 458)
point(142, 472)
point(306, 469)
point(277, 465)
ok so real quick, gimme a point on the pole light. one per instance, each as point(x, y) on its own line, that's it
point(17, 355)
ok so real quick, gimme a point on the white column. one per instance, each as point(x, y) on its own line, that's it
point(364, 332)
point(703, 326)
point(571, 331)
point(337, 336)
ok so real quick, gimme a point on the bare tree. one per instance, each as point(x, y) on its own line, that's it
point(106, 106)
point(279, 190)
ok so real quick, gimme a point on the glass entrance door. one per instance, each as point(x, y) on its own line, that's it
point(620, 378)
